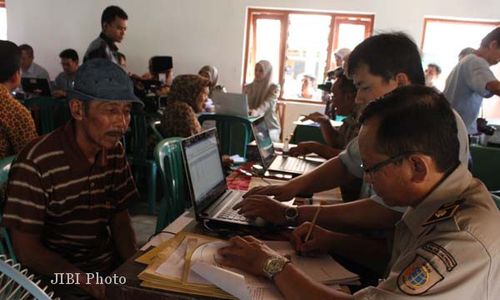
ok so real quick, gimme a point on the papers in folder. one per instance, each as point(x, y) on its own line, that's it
point(187, 263)
point(302, 121)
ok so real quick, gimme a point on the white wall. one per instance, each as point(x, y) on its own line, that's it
point(198, 32)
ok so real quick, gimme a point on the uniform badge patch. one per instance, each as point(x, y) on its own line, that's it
point(445, 256)
point(445, 212)
point(418, 277)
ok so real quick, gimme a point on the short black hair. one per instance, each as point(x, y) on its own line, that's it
point(388, 54)
point(10, 60)
point(69, 54)
point(438, 68)
point(416, 118)
point(494, 35)
point(111, 12)
point(28, 49)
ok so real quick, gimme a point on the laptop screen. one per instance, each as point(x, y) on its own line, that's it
point(264, 142)
point(204, 166)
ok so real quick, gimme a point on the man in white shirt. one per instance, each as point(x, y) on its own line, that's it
point(30, 69)
point(472, 80)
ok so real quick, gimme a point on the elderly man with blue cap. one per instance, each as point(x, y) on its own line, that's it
point(68, 191)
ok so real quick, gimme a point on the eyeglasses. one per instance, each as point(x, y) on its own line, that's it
point(391, 160)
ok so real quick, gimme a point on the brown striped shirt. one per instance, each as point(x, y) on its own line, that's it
point(54, 191)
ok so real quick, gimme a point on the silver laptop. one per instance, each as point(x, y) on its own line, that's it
point(279, 163)
point(207, 185)
point(232, 104)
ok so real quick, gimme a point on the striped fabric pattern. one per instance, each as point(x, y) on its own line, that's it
point(55, 192)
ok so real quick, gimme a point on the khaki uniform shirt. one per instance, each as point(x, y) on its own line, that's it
point(447, 247)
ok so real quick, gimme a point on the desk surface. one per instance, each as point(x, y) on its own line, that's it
point(185, 222)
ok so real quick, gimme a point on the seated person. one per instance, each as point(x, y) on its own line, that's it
point(30, 69)
point(344, 93)
point(263, 97)
point(17, 127)
point(183, 103)
point(68, 191)
point(445, 246)
point(64, 81)
point(212, 74)
point(378, 65)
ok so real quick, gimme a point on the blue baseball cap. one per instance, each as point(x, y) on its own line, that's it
point(102, 80)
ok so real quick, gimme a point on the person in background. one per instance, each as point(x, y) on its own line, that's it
point(114, 25)
point(263, 97)
point(64, 81)
point(167, 81)
point(344, 94)
point(308, 88)
point(465, 52)
point(68, 191)
point(341, 56)
point(446, 244)
point(30, 69)
point(212, 74)
point(184, 101)
point(472, 80)
point(17, 127)
point(431, 74)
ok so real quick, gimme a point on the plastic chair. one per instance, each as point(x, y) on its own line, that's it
point(234, 133)
point(17, 283)
point(5, 242)
point(48, 113)
point(138, 157)
point(486, 165)
point(496, 198)
point(168, 156)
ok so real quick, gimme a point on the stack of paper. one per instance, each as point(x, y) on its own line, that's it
point(188, 263)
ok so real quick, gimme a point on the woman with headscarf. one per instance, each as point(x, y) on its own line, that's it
point(212, 74)
point(263, 97)
point(186, 98)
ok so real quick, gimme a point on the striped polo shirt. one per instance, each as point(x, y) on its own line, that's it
point(55, 192)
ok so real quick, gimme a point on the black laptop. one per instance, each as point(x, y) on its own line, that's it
point(38, 86)
point(207, 184)
point(279, 163)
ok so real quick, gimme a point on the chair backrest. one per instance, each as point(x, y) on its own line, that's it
point(5, 243)
point(486, 165)
point(5, 168)
point(168, 156)
point(48, 113)
point(17, 283)
point(234, 133)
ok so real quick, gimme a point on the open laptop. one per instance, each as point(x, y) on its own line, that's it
point(232, 104)
point(36, 86)
point(207, 185)
point(279, 163)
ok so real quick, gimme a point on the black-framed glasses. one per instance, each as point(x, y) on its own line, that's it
point(391, 160)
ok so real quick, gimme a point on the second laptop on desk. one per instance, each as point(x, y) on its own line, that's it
point(275, 162)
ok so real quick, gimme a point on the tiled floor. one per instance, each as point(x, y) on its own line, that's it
point(144, 224)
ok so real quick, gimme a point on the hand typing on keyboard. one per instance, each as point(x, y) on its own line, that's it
point(268, 209)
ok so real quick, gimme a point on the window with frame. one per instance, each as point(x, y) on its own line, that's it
point(442, 41)
point(3, 21)
point(300, 46)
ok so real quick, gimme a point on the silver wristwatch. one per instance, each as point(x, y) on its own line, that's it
point(291, 214)
point(274, 265)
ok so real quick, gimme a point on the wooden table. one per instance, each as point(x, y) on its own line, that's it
point(186, 222)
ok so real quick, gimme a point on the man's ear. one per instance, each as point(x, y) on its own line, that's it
point(493, 45)
point(76, 108)
point(419, 168)
point(402, 79)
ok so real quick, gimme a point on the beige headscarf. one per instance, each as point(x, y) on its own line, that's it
point(258, 91)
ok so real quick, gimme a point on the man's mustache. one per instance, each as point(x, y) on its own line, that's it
point(117, 134)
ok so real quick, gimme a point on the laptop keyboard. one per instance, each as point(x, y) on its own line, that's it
point(228, 212)
point(293, 164)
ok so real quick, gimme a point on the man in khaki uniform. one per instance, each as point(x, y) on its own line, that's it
point(445, 246)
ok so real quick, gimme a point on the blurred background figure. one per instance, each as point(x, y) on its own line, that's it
point(64, 81)
point(212, 74)
point(465, 52)
point(341, 56)
point(431, 75)
point(308, 88)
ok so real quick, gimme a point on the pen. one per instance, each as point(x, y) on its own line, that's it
point(315, 218)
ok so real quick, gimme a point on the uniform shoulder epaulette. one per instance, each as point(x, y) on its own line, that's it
point(445, 212)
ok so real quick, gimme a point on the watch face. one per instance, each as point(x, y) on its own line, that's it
point(291, 213)
point(274, 265)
